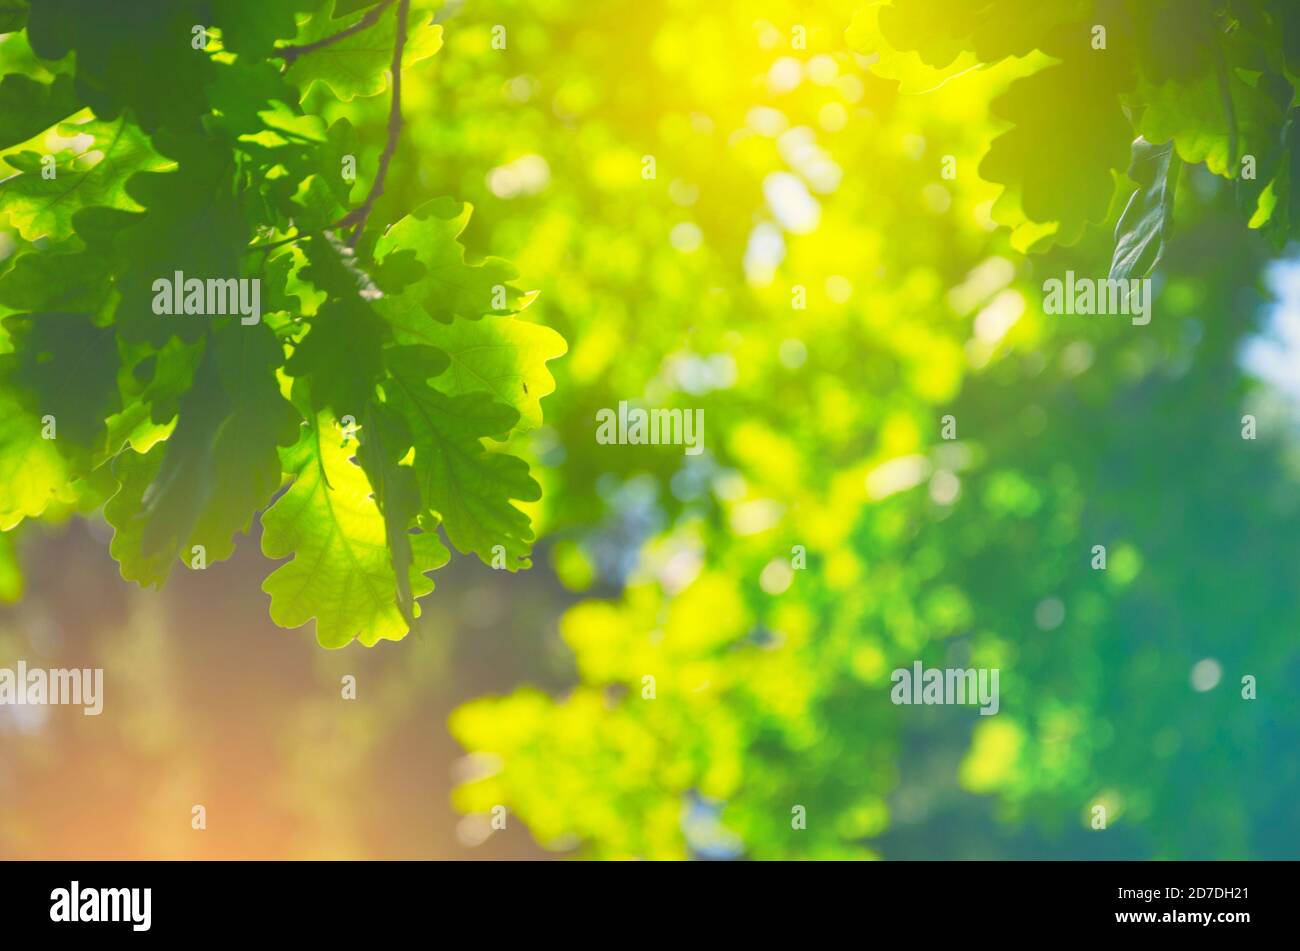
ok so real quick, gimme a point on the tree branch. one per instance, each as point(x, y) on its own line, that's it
point(359, 215)
point(291, 53)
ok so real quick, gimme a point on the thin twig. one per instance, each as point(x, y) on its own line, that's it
point(290, 134)
point(291, 53)
point(271, 245)
point(359, 215)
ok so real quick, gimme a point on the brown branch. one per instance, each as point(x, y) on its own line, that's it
point(291, 53)
point(359, 215)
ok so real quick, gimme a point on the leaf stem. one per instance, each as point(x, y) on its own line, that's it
point(271, 245)
point(291, 53)
point(359, 215)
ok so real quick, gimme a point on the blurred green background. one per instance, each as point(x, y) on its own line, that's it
point(783, 167)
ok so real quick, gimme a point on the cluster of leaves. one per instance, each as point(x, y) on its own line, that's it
point(163, 137)
point(1139, 84)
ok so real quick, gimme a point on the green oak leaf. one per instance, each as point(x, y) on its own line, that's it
point(1268, 160)
point(940, 31)
point(66, 367)
point(32, 471)
point(1144, 227)
point(1197, 116)
point(936, 31)
point(315, 204)
point(282, 288)
point(340, 356)
point(151, 390)
point(385, 442)
point(56, 280)
point(11, 571)
point(1061, 159)
point(135, 55)
point(28, 107)
point(341, 572)
point(423, 247)
point(251, 28)
point(470, 487)
point(1278, 208)
point(904, 66)
point(242, 94)
point(192, 223)
point(1286, 24)
point(332, 267)
point(341, 142)
point(13, 15)
point(1175, 38)
point(95, 176)
point(258, 420)
point(135, 473)
point(505, 357)
point(170, 506)
point(357, 65)
point(221, 462)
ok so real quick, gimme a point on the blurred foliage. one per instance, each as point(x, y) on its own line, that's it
point(823, 431)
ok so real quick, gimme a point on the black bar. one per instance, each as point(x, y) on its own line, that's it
point(338, 899)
